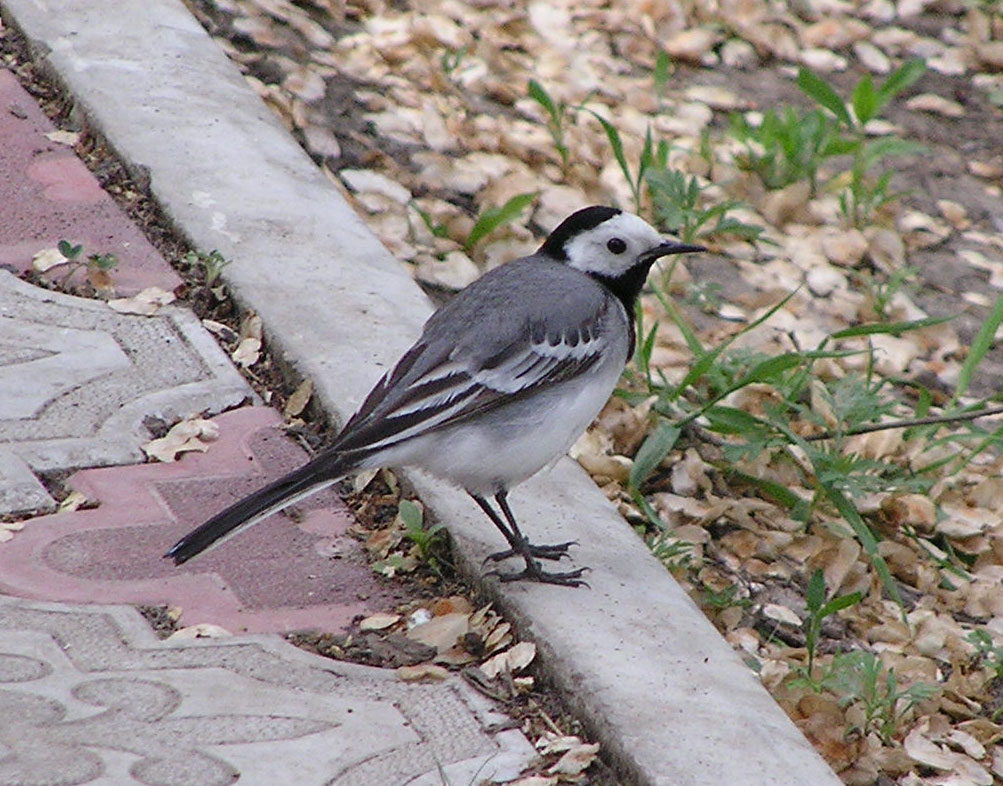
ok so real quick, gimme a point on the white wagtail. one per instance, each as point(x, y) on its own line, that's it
point(503, 380)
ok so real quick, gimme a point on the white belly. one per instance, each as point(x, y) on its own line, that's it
point(514, 442)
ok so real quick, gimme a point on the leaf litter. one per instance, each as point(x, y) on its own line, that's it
point(449, 132)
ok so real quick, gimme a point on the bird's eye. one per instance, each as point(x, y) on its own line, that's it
point(616, 245)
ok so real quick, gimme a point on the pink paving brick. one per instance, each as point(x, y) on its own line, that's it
point(278, 576)
point(47, 194)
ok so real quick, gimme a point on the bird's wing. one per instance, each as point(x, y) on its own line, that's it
point(425, 391)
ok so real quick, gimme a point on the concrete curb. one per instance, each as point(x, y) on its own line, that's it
point(667, 697)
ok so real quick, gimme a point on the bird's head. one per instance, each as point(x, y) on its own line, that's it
point(609, 244)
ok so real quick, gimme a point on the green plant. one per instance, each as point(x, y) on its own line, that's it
point(725, 598)
point(677, 208)
point(987, 652)
point(670, 551)
point(557, 112)
point(651, 156)
point(98, 266)
point(865, 192)
point(660, 74)
point(451, 59)
point(786, 147)
point(426, 542)
point(818, 609)
point(436, 228)
point(492, 218)
point(211, 264)
point(860, 678)
point(883, 290)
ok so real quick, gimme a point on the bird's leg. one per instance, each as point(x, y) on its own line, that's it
point(519, 546)
point(547, 551)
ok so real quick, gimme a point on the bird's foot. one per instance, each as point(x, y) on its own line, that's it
point(554, 551)
point(533, 572)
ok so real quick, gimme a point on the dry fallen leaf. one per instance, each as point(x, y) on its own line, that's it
point(191, 434)
point(147, 302)
point(518, 657)
point(379, 621)
point(576, 760)
point(422, 671)
point(298, 400)
point(47, 258)
point(204, 630)
point(68, 138)
point(441, 632)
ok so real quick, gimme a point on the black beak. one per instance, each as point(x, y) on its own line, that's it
point(665, 249)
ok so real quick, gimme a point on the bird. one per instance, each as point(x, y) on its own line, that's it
point(505, 376)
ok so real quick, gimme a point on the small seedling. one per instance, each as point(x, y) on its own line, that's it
point(865, 193)
point(987, 652)
point(786, 147)
point(860, 677)
point(676, 201)
point(98, 266)
point(557, 114)
point(425, 542)
point(211, 264)
point(818, 610)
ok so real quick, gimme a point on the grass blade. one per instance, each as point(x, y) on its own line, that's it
point(980, 346)
point(654, 448)
point(870, 544)
point(817, 88)
point(892, 328)
point(494, 217)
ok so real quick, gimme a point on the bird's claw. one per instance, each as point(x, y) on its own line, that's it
point(533, 572)
point(553, 551)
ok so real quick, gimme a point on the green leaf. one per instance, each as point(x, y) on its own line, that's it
point(899, 79)
point(839, 146)
point(981, 344)
point(889, 146)
point(731, 420)
point(615, 143)
point(890, 328)
point(814, 595)
point(69, 250)
point(542, 97)
point(815, 87)
point(494, 217)
point(840, 603)
point(661, 74)
point(654, 448)
point(867, 540)
point(864, 99)
point(410, 514)
point(769, 370)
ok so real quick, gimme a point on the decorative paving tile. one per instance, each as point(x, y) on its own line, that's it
point(277, 576)
point(89, 696)
point(48, 195)
point(77, 381)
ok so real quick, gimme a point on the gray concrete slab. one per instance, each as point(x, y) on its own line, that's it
point(89, 695)
point(77, 380)
point(669, 699)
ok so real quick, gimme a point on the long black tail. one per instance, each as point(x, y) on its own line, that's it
point(325, 469)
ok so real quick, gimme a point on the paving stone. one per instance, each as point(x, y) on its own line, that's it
point(48, 195)
point(90, 696)
point(278, 576)
point(77, 381)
